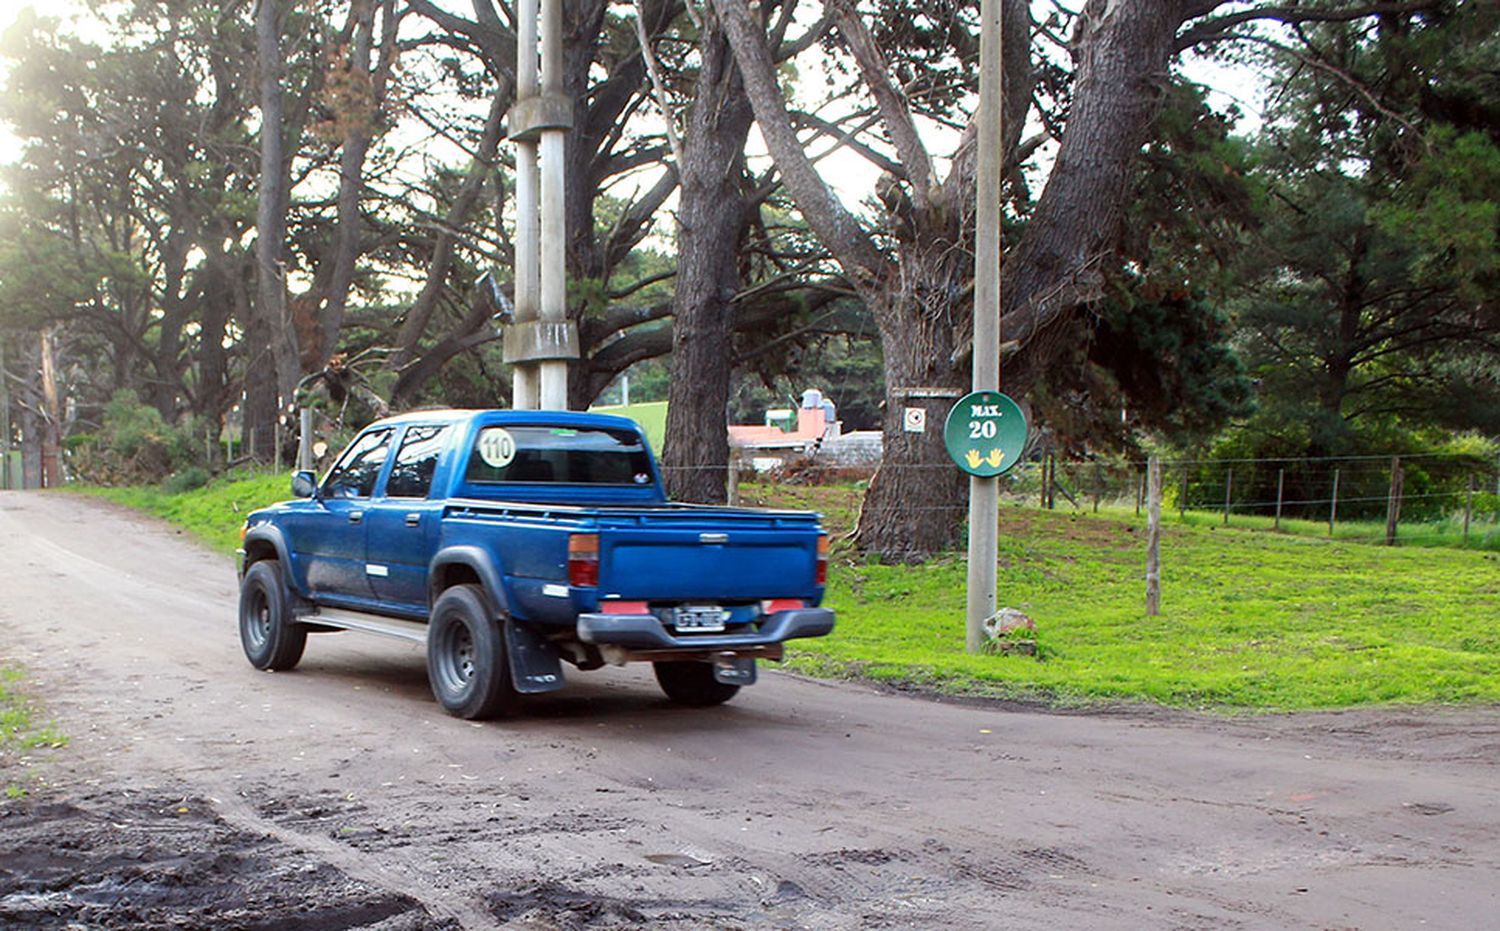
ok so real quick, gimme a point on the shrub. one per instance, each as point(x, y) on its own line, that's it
point(134, 445)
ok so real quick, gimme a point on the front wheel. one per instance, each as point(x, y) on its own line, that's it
point(272, 640)
point(466, 661)
point(692, 684)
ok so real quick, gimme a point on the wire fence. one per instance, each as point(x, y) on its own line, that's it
point(1420, 497)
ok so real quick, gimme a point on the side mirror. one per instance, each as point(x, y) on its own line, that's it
point(304, 484)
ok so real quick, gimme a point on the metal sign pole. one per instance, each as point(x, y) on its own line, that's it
point(984, 492)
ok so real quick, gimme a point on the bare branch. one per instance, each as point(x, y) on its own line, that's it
point(658, 86)
point(1218, 28)
point(894, 110)
point(832, 223)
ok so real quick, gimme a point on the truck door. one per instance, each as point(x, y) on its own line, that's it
point(329, 541)
point(402, 524)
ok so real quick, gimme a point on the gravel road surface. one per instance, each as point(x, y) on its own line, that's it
point(197, 792)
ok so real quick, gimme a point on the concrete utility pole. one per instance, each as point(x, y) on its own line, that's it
point(542, 340)
point(984, 493)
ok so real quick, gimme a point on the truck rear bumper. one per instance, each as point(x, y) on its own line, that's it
point(644, 632)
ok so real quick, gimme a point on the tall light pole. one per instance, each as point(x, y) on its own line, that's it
point(984, 491)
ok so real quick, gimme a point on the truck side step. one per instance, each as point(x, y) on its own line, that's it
point(413, 631)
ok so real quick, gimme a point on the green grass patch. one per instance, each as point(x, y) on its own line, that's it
point(1251, 619)
point(212, 513)
point(19, 732)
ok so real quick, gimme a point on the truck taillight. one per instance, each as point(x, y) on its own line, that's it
point(583, 559)
point(820, 573)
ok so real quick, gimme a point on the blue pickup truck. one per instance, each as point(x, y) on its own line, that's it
point(508, 542)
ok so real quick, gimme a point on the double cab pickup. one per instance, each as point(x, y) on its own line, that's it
point(510, 542)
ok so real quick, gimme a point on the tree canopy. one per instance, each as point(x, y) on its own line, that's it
point(223, 213)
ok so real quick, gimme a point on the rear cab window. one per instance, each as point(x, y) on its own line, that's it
point(518, 454)
point(416, 461)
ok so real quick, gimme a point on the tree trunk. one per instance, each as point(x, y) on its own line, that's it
point(261, 406)
point(915, 504)
point(31, 449)
point(51, 413)
point(1123, 53)
point(712, 218)
point(270, 222)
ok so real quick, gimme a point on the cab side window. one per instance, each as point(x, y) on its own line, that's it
point(359, 467)
point(411, 476)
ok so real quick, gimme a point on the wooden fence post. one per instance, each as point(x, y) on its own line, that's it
point(1333, 503)
point(1153, 538)
point(304, 440)
point(1228, 488)
point(1182, 499)
point(1140, 492)
point(1280, 488)
point(1393, 502)
point(732, 488)
point(1468, 507)
point(1098, 485)
point(1051, 481)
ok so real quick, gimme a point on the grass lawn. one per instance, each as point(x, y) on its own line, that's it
point(1250, 619)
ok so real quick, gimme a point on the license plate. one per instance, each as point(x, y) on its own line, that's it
point(700, 618)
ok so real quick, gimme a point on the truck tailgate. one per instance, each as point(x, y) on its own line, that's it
point(719, 555)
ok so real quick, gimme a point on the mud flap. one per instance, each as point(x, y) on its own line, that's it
point(534, 665)
point(735, 672)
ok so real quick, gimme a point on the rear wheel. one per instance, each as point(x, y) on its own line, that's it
point(272, 640)
point(466, 660)
point(692, 684)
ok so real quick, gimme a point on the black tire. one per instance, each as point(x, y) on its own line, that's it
point(693, 684)
point(272, 640)
point(467, 664)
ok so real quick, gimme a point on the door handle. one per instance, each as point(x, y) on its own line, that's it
point(356, 516)
point(413, 520)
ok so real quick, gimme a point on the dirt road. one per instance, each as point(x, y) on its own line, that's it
point(197, 792)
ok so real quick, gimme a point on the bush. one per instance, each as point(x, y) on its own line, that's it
point(189, 479)
point(135, 445)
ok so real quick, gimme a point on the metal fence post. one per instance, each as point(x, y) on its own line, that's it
point(1182, 499)
point(1228, 488)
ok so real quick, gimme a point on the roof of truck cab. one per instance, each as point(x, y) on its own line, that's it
point(503, 416)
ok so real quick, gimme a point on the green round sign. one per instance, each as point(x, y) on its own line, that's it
point(985, 433)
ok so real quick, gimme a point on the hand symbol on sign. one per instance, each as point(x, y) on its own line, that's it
point(974, 459)
point(995, 457)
